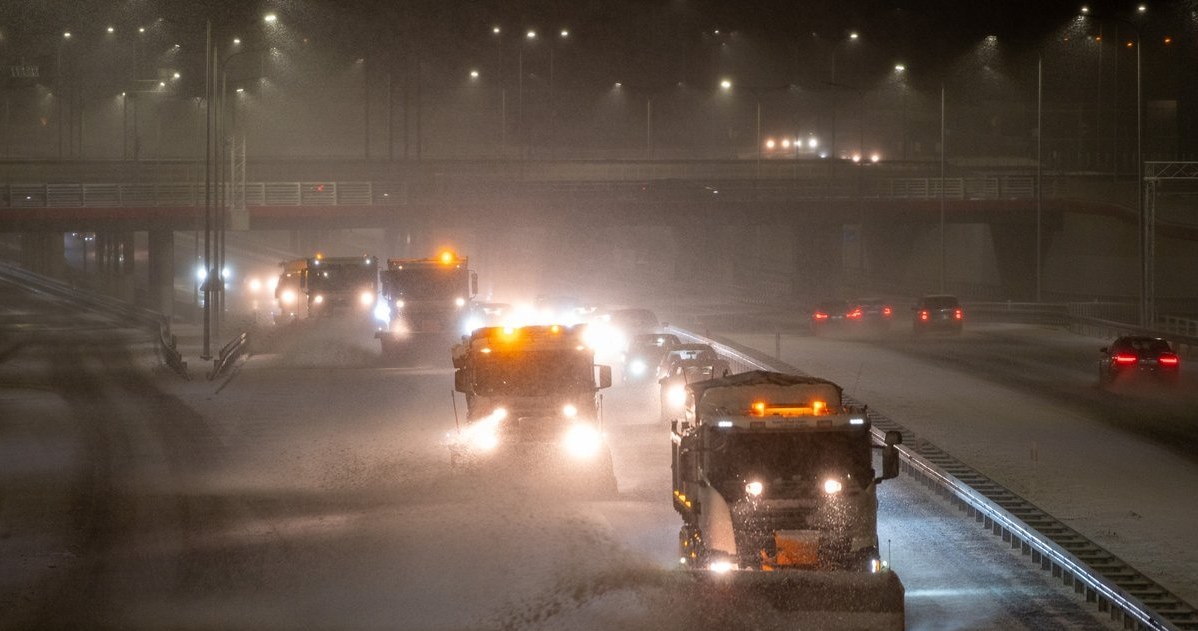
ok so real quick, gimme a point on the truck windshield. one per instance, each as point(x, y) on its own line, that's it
point(533, 373)
point(792, 457)
point(344, 277)
point(426, 283)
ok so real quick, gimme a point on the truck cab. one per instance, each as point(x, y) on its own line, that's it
point(772, 472)
point(532, 393)
point(426, 296)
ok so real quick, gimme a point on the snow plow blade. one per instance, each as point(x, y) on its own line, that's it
point(811, 599)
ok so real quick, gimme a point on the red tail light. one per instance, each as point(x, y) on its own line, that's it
point(1124, 358)
point(957, 314)
point(855, 314)
point(923, 315)
point(820, 316)
point(886, 311)
point(1168, 360)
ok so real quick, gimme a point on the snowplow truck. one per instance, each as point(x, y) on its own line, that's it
point(532, 403)
point(773, 477)
point(326, 285)
point(423, 296)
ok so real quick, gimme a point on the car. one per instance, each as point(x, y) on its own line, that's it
point(644, 353)
point(1136, 357)
point(683, 372)
point(872, 313)
point(683, 353)
point(830, 315)
point(635, 321)
point(938, 312)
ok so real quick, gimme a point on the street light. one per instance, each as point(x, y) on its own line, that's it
point(1145, 230)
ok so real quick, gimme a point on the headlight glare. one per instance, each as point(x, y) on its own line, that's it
point(754, 488)
point(832, 486)
point(583, 441)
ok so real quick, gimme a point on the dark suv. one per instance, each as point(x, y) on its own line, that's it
point(1138, 356)
point(938, 312)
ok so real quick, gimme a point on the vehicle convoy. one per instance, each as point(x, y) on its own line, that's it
point(418, 297)
point(324, 285)
point(532, 402)
point(1137, 356)
point(773, 477)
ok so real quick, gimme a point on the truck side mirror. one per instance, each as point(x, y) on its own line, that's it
point(460, 382)
point(890, 455)
point(473, 284)
point(604, 376)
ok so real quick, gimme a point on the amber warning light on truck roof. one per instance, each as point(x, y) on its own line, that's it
point(816, 408)
point(448, 257)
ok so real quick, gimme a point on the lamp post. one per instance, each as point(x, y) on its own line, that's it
point(1145, 229)
point(943, 148)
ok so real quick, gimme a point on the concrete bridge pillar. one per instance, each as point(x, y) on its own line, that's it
point(161, 293)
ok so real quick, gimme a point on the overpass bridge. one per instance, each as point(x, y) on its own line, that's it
point(805, 219)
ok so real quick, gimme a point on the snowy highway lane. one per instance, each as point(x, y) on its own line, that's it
point(312, 490)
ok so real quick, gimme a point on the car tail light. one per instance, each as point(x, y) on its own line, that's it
point(820, 316)
point(855, 314)
point(1168, 360)
point(1124, 358)
point(923, 315)
point(957, 314)
point(886, 311)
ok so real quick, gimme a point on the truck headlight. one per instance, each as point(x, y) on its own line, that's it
point(754, 488)
point(288, 297)
point(399, 304)
point(637, 367)
point(318, 299)
point(569, 411)
point(382, 313)
point(676, 395)
point(366, 298)
point(583, 441)
point(721, 566)
point(832, 486)
point(460, 302)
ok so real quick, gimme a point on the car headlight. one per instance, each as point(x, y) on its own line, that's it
point(318, 299)
point(399, 304)
point(637, 367)
point(754, 488)
point(366, 298)
point(832, 486)
point(676, 395)
point(583, 441)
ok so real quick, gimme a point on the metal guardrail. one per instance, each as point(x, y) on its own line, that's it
point(149, 319)
point(229, 353)
point(333, 193)
point(1115, 587)
point(182, 194)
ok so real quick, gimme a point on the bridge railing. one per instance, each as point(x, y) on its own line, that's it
point(358, 193)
